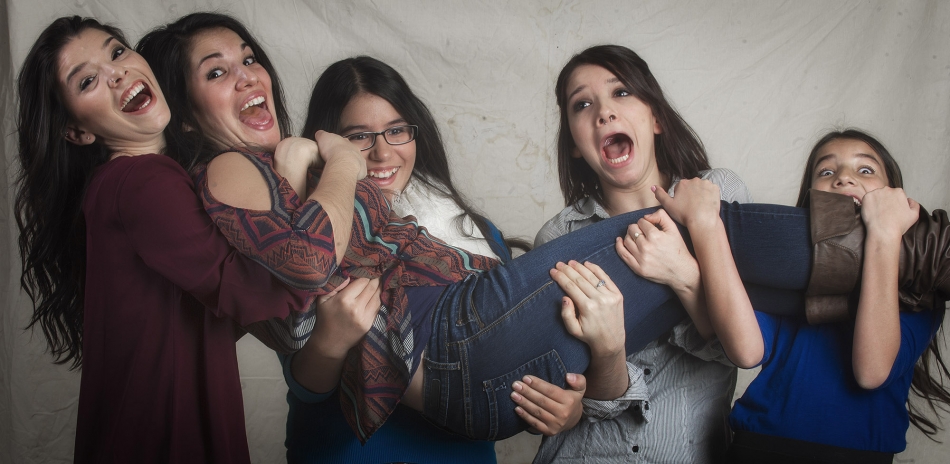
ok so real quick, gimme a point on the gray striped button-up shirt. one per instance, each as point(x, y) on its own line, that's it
point(677, 405)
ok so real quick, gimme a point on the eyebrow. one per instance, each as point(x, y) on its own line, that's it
point(365, 128)
point(860, 155)
point(218, 55)
point(577, 90)
point(79, 66)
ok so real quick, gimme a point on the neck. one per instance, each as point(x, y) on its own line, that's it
point(135, 148)
point(622, 200)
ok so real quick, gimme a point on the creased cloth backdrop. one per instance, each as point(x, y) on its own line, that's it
point(759, 82)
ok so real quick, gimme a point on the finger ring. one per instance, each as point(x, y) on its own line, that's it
point(600, 284)
point(636, 235)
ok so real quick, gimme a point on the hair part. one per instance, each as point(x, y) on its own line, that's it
point(348, 78)
point(893, 171)
point(679, 151)
point(49, 192)
point(167, 49)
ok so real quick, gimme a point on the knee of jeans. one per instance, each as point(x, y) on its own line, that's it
point(496, 418)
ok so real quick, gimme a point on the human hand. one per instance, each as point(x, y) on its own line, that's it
point(654, 249)
point(345, 315)
point(546, 408)
point(591, 311)
point(888, 213)
point(696, 203)
point(297, 150)
point(334, 148)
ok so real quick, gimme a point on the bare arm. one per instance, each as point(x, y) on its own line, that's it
point(887, 213)
point(696, 206)
point(594, 314)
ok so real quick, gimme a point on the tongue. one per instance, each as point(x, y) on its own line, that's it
point(136, 103)
point(617, 149)
point(255, 116)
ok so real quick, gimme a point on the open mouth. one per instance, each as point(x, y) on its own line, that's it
point(138, 97)
point(616, 148)
point(255, 112)
point(382, 174)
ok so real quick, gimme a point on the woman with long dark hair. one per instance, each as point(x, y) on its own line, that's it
point(129, 278)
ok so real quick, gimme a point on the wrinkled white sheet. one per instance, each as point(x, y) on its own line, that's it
point(759, 82)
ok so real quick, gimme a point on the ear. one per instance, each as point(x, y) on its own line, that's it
point(657, 129)
point(77, 136)
point(187, 127)
point(575, 153)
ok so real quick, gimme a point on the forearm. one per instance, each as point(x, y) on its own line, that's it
point(607, 377)
point(316, 368)
point(729, 309)
point(877, 335)
point(690, 292)
point(292, 160)
point(336, 192)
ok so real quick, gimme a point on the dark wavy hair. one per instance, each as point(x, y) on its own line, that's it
point(49, 191)
point(679, 151)
point(348, 78)
point(930, 370)
point(166, 50)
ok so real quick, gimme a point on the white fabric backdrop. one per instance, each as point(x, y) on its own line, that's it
point(759, 81)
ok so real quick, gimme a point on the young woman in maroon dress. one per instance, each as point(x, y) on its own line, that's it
point(128, 276)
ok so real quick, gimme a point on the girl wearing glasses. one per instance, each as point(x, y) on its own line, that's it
point(370, 104)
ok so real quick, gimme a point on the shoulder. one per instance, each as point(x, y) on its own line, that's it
point(136, 171)
point(240, 179)
point(573, 217)
point(731, 186)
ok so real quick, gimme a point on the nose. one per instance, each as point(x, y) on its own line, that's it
point(115, 75)
point(606, 114)
point(381, 150)
point(246, 77)
point(843, 178)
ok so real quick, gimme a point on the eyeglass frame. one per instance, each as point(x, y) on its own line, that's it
point(413, 128)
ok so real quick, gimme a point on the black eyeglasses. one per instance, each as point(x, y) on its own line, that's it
point(399, 135)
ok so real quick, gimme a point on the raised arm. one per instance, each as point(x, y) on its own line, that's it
point(696, 206)
point(887, 213)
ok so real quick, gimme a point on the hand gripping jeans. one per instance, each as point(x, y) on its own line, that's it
point(493, 328)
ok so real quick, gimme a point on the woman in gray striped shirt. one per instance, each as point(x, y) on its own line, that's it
point(619, 139)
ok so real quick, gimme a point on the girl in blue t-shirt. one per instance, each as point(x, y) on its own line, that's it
point(834, 392)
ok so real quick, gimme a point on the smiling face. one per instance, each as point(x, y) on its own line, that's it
point(390, 166)
point(231, 91)
point(848, 167)
point(111, 95)
point(612, 129)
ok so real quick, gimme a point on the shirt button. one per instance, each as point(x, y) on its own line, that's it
point(646, 372)
point(636, 449)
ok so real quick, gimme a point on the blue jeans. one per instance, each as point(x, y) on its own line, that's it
point(493, 328)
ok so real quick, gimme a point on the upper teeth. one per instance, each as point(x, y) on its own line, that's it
point(132, 93)
point(618, 160)
point(383, 174)
point(253, 102)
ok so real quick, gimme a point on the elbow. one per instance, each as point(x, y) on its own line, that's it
point(747, 357)
point(870, 379)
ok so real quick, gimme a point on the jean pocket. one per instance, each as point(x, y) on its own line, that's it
point(503, 422)
point(436, 389)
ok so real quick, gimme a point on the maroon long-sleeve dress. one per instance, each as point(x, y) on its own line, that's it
point(165, 294)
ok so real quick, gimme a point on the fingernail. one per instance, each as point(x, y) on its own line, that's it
point(527, 380)
point(571, 377)
point(516, 386)
point(519, 410)
point(515, 396)
point(653, 188)
point(564, 301)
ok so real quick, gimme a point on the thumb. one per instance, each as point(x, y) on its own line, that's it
point(661, 195)
point(577, 382)
point(569, 315)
